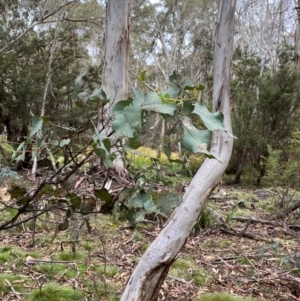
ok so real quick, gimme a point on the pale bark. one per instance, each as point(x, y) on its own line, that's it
point(148, 276)
point(115, 70)
point(297, 41)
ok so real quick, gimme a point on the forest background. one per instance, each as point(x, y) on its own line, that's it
point(165, 37)
point(51, 61)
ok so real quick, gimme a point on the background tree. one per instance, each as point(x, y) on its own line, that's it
point(115, 69)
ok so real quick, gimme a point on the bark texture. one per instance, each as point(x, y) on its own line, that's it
point(148, 276)
point(115, 70)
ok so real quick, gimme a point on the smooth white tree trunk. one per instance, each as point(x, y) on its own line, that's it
point(148, 276)
point(115, 70)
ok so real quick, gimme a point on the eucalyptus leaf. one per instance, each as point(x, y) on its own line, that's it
point(37, 124)
point(195, 140)
point(153, 102)
point(212, 121)
point(7, 147)
point(102, 194)
point(64, 142)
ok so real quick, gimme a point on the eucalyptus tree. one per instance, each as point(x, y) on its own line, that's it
point(173, 35)
point(262, 26)
point(148, 276)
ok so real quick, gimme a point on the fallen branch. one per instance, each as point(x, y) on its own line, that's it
point(256, 256)
point(255, 220)
point(243, 234)
point(266, 222)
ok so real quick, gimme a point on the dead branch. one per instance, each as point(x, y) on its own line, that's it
point(255, 220)
point(242, 234)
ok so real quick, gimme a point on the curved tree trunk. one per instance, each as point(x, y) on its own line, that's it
point(148, 276)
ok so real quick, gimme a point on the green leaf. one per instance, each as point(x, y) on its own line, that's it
point(126, 118)
point(107, 144)
point(134, 142)
point(153, 102)
point(195, 140)
point(199, 87)
point(135, 217)
point(119, 107)
point(188, 84)
point(78, 82)
point(37, 124)
point(99, 94)
point(108, 163)
point(122, 127)
point(174, 88)
point(17, 191)
point(172, 92)
point(64, 142)
point(63, 226)
point(102, 144)
point(139, 98)
point(167, 202)
point(133, 116)
point(7, 147)
point(86, 207)
point(100, 152)
point(149, 206)
point(54, 142)
point(74, 199)
point(142, 76)
point(212, 121)
point(136, 202)
point(102, 194)
point(167, 151)
point(188, 108)
point(174, 78)
point(46, 190)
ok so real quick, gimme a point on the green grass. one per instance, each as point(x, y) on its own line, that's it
point(222, 297)
point(107, 291)
point(55, 292)
point(187, 269)
point(108, 270)
point(16, 281)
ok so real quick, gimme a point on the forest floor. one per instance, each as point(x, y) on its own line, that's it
point(240, 247)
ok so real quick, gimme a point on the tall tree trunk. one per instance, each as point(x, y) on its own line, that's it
point(115, 70)
point(297, 40)
point(148, 276)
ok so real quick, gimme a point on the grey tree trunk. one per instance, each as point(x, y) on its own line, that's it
point(115, 70)
point(147, 278)
point(297, 41)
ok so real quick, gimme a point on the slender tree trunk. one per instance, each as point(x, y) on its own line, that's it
point(297, 40)
point(115, 70)
point(147, 278)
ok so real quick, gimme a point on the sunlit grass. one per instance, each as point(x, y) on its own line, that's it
point(146, 156)
point(55, 292)
point(222, 297)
